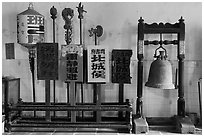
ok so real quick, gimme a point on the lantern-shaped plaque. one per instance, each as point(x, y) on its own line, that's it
point(72, 63)
point(98, 64)
point(121, 66)
point(30, 27)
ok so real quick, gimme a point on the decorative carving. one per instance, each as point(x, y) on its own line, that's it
point(140, 47)
point(156, 42)
point(81, 10)
point(161, 25)
point(181, 47)
point(98, 31)
point(53, 12)
point(141, 20)
point(67, 15)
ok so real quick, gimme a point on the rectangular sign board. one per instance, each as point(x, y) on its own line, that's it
point(121, 66)
point(98, 64)
point(72, 63)
point(47, 61)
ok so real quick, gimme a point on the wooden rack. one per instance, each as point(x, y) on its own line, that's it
point(15, 120)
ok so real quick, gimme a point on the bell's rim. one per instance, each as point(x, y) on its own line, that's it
point(160, 86)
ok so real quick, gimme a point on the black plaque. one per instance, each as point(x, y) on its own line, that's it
point(47, 61)
point(10, 54)
point(121, 66)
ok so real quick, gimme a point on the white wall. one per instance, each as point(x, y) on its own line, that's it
point(119, 21)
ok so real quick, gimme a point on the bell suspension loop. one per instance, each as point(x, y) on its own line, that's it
point(164, 53)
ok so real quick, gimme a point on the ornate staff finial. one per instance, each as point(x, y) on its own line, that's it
point(67, 15)
point(53, 12)
point(81, 10)
point(98, 31)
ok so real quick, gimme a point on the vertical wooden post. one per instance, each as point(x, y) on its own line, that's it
point(68, 112)
point(67, 15)
point(181, 56)
point(200, 100)
point(95, 88)
point(47, 99)
point(127, 113)
point(32, 68)
point(121, 98)
point(94, 98)
point(72, 100)
point(6, 105)
point(98, 102)
point(81, 10)
point(97, 94)
point(53, 12)
point(140, 51)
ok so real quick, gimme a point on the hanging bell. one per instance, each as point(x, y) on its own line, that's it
point(160, 74)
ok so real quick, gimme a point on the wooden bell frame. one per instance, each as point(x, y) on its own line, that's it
point(161, 28)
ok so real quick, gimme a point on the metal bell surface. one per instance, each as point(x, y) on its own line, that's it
point(160, 74)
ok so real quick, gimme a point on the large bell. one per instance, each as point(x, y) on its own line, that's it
point(160, 74)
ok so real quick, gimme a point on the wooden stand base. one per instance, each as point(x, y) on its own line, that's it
point(140, 125)
point(184, 125)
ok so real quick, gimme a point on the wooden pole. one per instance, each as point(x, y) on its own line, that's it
point(72, 100)
point(80, 11)
point(140, 47)
point(200, 99)
point(32, 68)
point(121, 98)
point(97, 94)
point(181, 56)
point(47, 99)
point(82, 95)
point(68, 113)
point(67, 15)
point(53, 12)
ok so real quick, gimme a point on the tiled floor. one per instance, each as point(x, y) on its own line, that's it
point(96, 131)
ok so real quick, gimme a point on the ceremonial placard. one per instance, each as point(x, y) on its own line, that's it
point(121, 66)
point(72, 58)
point(10, 51)
point(47, 61)
point(98, 64)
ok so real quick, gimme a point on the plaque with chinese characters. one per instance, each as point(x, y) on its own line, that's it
point(47, 61)
point(72, 58)
point(10, 52)
point(98, 64)
point(121, 66)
